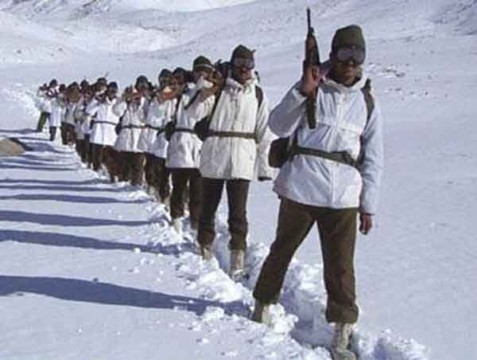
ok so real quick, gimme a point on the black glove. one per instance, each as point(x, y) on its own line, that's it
point(264, 178)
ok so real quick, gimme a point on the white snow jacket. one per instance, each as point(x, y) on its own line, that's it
point(184, 146)
point(132, 117)
point(152, 139)
point(82, 120)
point(226, 153)
point(57, 113)
point(342, 125)
point(43, 99)
point(103, 131)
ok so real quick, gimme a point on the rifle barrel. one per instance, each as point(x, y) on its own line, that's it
point(308, 17)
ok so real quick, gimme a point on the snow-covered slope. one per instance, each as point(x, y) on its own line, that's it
point(416, 272)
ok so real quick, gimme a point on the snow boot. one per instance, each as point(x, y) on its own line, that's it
point(177, 225)
point(261, 313)
point(341, 341)
point(237, 259)
point(206, 252)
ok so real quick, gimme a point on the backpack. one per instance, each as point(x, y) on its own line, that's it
point(201, 128)
point(282, 149)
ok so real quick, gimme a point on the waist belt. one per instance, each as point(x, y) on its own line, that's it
point(186, 130)
point(231, 134)
point(339, 156)
point(132, 127)
point(105, 122)
point(153, 127)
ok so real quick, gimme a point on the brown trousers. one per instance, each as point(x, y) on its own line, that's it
point(180, 179)
point(53, 130)
point(337, 229)
point(107, 156)
point(68, 134)
point(237, 195)
point(132, 167)
point(157, 175)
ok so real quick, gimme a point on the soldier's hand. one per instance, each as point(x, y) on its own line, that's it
point(310, 80)
point(206, 93)
point(365, 223)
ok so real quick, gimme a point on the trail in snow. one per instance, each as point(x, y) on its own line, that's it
point(300, 314)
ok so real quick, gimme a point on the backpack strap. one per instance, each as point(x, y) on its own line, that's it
point(368, 98)
point(259, 95)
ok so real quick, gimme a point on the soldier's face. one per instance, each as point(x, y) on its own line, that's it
point(345, 71)
point(242, 69)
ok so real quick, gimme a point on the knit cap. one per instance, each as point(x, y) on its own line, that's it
point(242, 52)
point(201, 62)
point(348, 36)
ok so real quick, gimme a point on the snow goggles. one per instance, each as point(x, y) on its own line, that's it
point(248, 64)
point(345, 54)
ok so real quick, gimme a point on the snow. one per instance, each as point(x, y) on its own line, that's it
point(92, 270)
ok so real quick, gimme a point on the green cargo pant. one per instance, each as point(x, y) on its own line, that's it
point(337, 229)
point(42, 121)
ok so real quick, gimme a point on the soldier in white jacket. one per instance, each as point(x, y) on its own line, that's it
point(82, 123)
point(68, 135)
point(237, 139)
point(58, 109)
point(43, 102)
point(131, 110)
point(183, 153)
point(103, 131)
point(152, 140)
point(332, 178)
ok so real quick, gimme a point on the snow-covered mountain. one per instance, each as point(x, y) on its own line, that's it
point(76, 249)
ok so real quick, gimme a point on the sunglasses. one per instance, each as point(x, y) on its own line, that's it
point(353, 53)
point(243, 63)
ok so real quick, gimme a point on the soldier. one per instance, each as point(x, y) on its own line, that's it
point(82, 123)
point(331, 179)
point(72, 97)
point(58, 109)
point(183, 153)
point(44, 95)
point(103, 132)
point(237, 138)
point(132, 111)
point(159, 113)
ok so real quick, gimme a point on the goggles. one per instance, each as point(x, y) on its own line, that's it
point(345, 54)
point(243, 63)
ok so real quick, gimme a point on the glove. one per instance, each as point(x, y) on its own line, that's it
point(264, 178)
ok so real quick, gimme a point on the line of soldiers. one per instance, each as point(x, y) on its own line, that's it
point(211, 129)
point(199, 130)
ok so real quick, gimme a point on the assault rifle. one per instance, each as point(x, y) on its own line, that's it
point(312, 58)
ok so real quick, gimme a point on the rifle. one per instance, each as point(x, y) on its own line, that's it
point(312, 58)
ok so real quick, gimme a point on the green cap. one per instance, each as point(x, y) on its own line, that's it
point(351, 35)
point(201, 62)
point(242, 52)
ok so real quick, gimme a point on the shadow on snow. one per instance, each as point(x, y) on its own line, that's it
point(83, 242)
point(63, 220)
point(103, 293)
point(70, 198)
